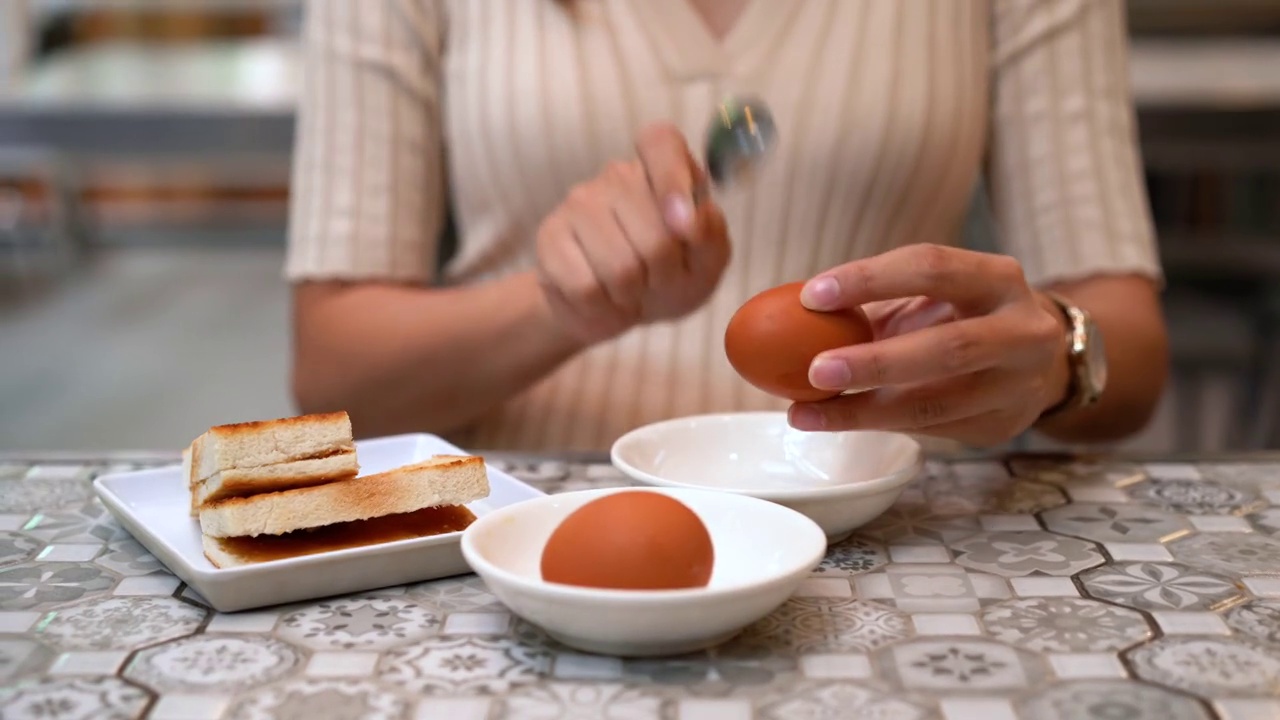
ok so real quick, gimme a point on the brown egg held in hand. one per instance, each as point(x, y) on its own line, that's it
point(631, 540)
point(772, 339)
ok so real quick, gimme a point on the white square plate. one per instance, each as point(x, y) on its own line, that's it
point(153, 505)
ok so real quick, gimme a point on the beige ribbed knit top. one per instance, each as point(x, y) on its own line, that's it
point(889, 113)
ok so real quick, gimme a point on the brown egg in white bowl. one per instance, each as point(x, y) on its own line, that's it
point(761, 552)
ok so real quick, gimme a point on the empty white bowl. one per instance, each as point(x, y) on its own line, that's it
point(842, 480)
point(763, 551)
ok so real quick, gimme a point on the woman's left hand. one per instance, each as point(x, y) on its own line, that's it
point(964, 348)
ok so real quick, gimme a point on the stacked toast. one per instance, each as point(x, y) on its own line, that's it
point(271, 489)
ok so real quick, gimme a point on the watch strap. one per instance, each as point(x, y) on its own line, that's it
point(1077, 321)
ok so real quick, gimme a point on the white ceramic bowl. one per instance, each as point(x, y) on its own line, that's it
point(842, 480)
point(763, 552)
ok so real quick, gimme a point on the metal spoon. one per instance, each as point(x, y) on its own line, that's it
point(740, 136)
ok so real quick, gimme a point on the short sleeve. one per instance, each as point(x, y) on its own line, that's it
point(367, 195)
point(1064, 171)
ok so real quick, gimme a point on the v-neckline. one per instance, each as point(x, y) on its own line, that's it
point(686, 43)
point(706, 23)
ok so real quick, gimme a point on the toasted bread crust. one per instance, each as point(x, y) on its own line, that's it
point(441, 480)
point(362, 483)
point(247, 482)
point(256, 426)
point(261, 443)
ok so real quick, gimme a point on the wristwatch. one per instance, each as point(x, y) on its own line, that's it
point(1086, 358)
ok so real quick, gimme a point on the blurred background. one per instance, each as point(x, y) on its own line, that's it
point(144, 171)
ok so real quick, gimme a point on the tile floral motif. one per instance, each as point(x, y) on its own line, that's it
point(829, 700)
point(932, 588)
point(1195, 497)
point(1213, 667)
point(854, 648)
point(129, 558)
point(21, 657)
point(946, 664)
point(940, 491)
point(42, 585)
point(454, 595)
point(22, 495)
point(1065, 625)
point(821, 625)
point(978, 487)
point(1243, 554)
point(78, 699)
point(852, 556)
point(532, 636)
point(213, 664)
point(536, 472)
point(445, 665)
point(572, 701)
point(742, 663)
point(1029, 552)
point(612, 479)
point(121, 623)
point(1024, 498)
point(16, 548)
point(917, 524)
point(88, 523)
point(1260, 619)
point(45, 471)
point(311, 699)
point(358, 623)
point(1077, 471)
point(1172, 471)
point(1160, 586)
point(1111, 700)
point(1267, 521)
point(1116, 523)
point(1250, 475)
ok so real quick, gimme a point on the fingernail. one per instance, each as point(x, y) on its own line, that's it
point(820, 293)
point(806, 418)
point(678, 213)
point(829, 374)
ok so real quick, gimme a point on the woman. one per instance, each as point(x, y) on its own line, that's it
point(589, 293)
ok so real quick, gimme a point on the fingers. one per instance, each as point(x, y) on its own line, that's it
point(709, 255)
point(679, 186)
point(906, 409)
point(974, 282)
point(926, 355)
point(672, 174)
point(641, 222)
point(593, 220)
point(636, 242)
point(569, 279)
point(983, 430)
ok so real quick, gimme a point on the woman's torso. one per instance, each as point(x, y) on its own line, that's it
point(882, 116)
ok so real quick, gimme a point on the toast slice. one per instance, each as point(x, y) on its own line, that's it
point(238, 551)
point(270, 442)
point(186, 467)
point(439, 481)
point(274, 478)
point(283, 454)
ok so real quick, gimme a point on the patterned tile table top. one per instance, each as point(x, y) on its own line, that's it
point(1031, 588)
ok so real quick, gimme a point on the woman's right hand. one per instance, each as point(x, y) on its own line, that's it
point(641, 242)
